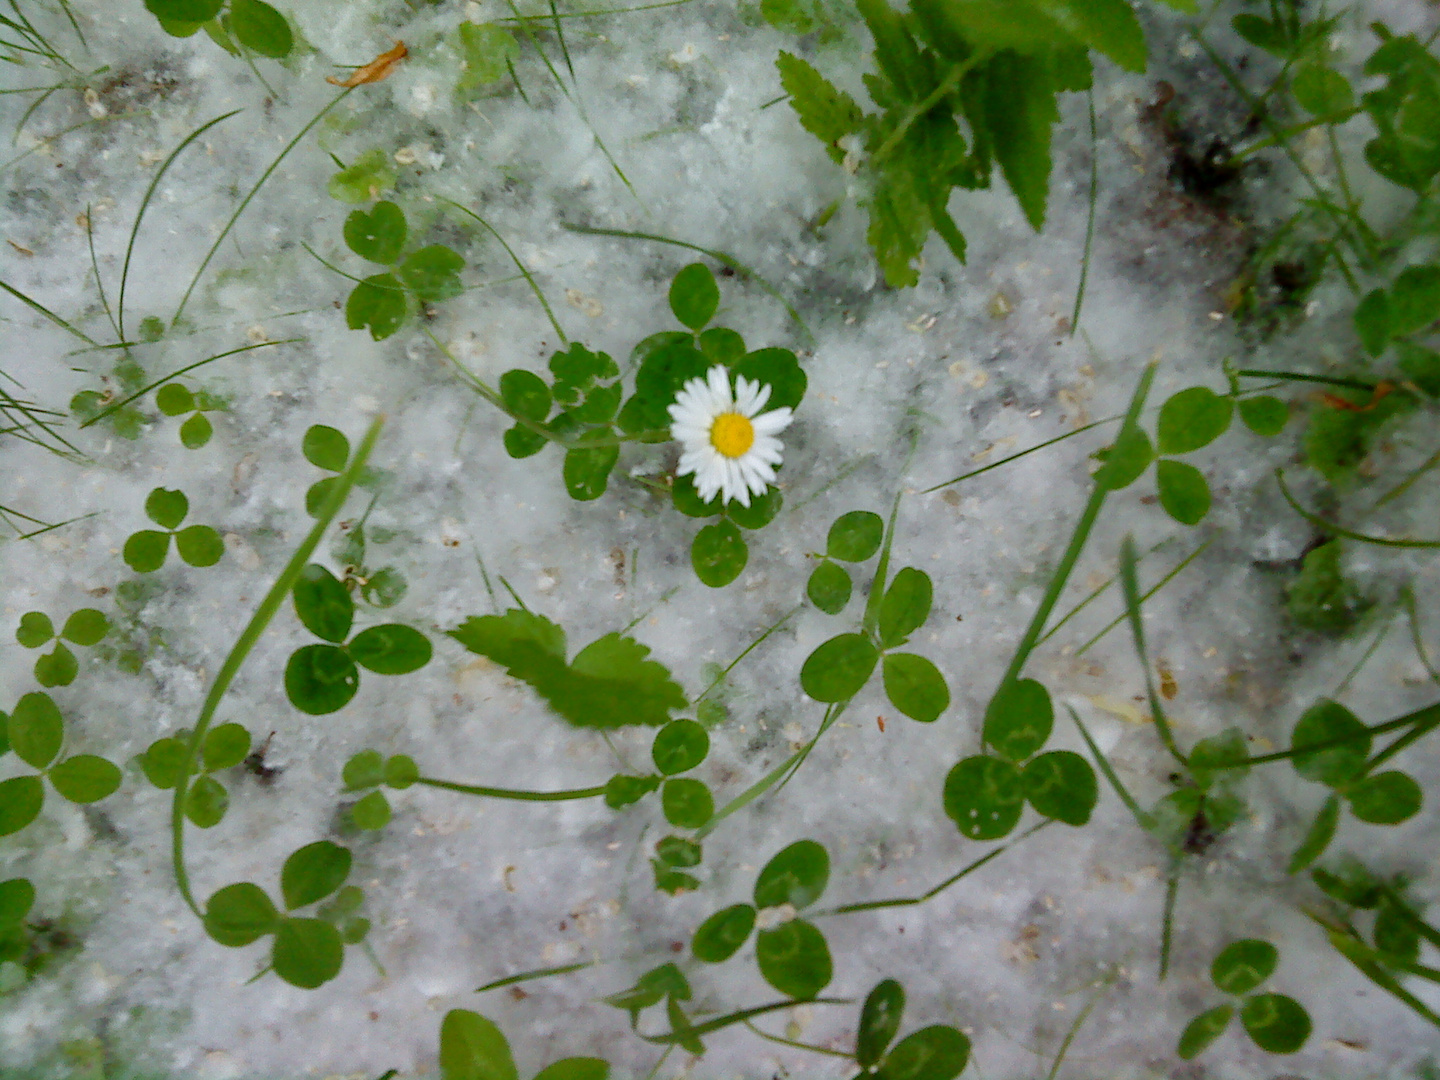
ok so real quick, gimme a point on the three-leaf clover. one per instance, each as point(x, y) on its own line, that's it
point(839, 668)
point(937, 1052)
point(381, 302)
point(792, 954)
point(308, 950)
point(59, 667)
point(1277, 1023)
point(368, 769)
point(322, 679)
point(146, 550)
point(35, 731)
point(176, 399)
point(206, 799)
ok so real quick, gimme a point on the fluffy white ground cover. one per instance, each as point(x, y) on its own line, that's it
point(975, 362)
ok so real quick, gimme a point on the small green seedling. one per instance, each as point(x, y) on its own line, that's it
point(35, 731)
point(59, 667)
point(176, 399)
point(792, 954)
point(322, 679)
point(206, 799)
point(474, 1048)
point(307, 951)
point(1276, 1023)
point(146, 550)
point(368, 769)
point(608, 684)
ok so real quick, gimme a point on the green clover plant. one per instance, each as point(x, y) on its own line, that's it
point(199, 545)
point(322, 678)
point(251, 26)
point(59, 667)
point(35, 733)
point(206, 799)
point(1277, 1023)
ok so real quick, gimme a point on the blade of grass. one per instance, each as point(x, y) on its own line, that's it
point(43, 310)
point(1020, 454)
point(266, 611)
point(511, 793)
point(798, 1045)
point(538, 973)
point(95, 272)
point(534, 287)
point(1131, 590)
point(114, 406)
point(1089, 221)
point(914, 901)
point(744, 653)
point(145, 205)
point(719, 256)
point(245, 202)
point(1144, 819)
point(1171, 576)
point(737, 1017)
point(1340, 530)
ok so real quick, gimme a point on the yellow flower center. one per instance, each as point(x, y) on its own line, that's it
point(732, 434)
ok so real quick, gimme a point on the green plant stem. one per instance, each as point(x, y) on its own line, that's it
point(1089, 215)
point(798, 1045)
point(719, 256)
point(1137, 629)
point(871, 622)
point(1080, 1019)
point(1023, 453)
point(118, 405)
point(914, 901)
point(1071, 555)
point(269, 606)
point(1282, 135)
point(1418, 732)
point(1175, 572)
point(1407, 598)
point(1410, 479)
point(737, 1017)
point(744, 653)
point(511, 793)
point(1375, 641)
point(245, 202)
point(145, 205)
point(1423, 719)
point(43, 310)
point(1167, 918)
point(1295, 376)
point(524, 271)
point(947, 86)
point(538, 973)
point(1145, 820)
point(1340, 530)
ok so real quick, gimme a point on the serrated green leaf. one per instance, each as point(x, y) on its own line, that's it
point(826, 112)
point(609, 684)
point(1021, 112)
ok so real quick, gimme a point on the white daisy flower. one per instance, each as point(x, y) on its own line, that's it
point(729, 445)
